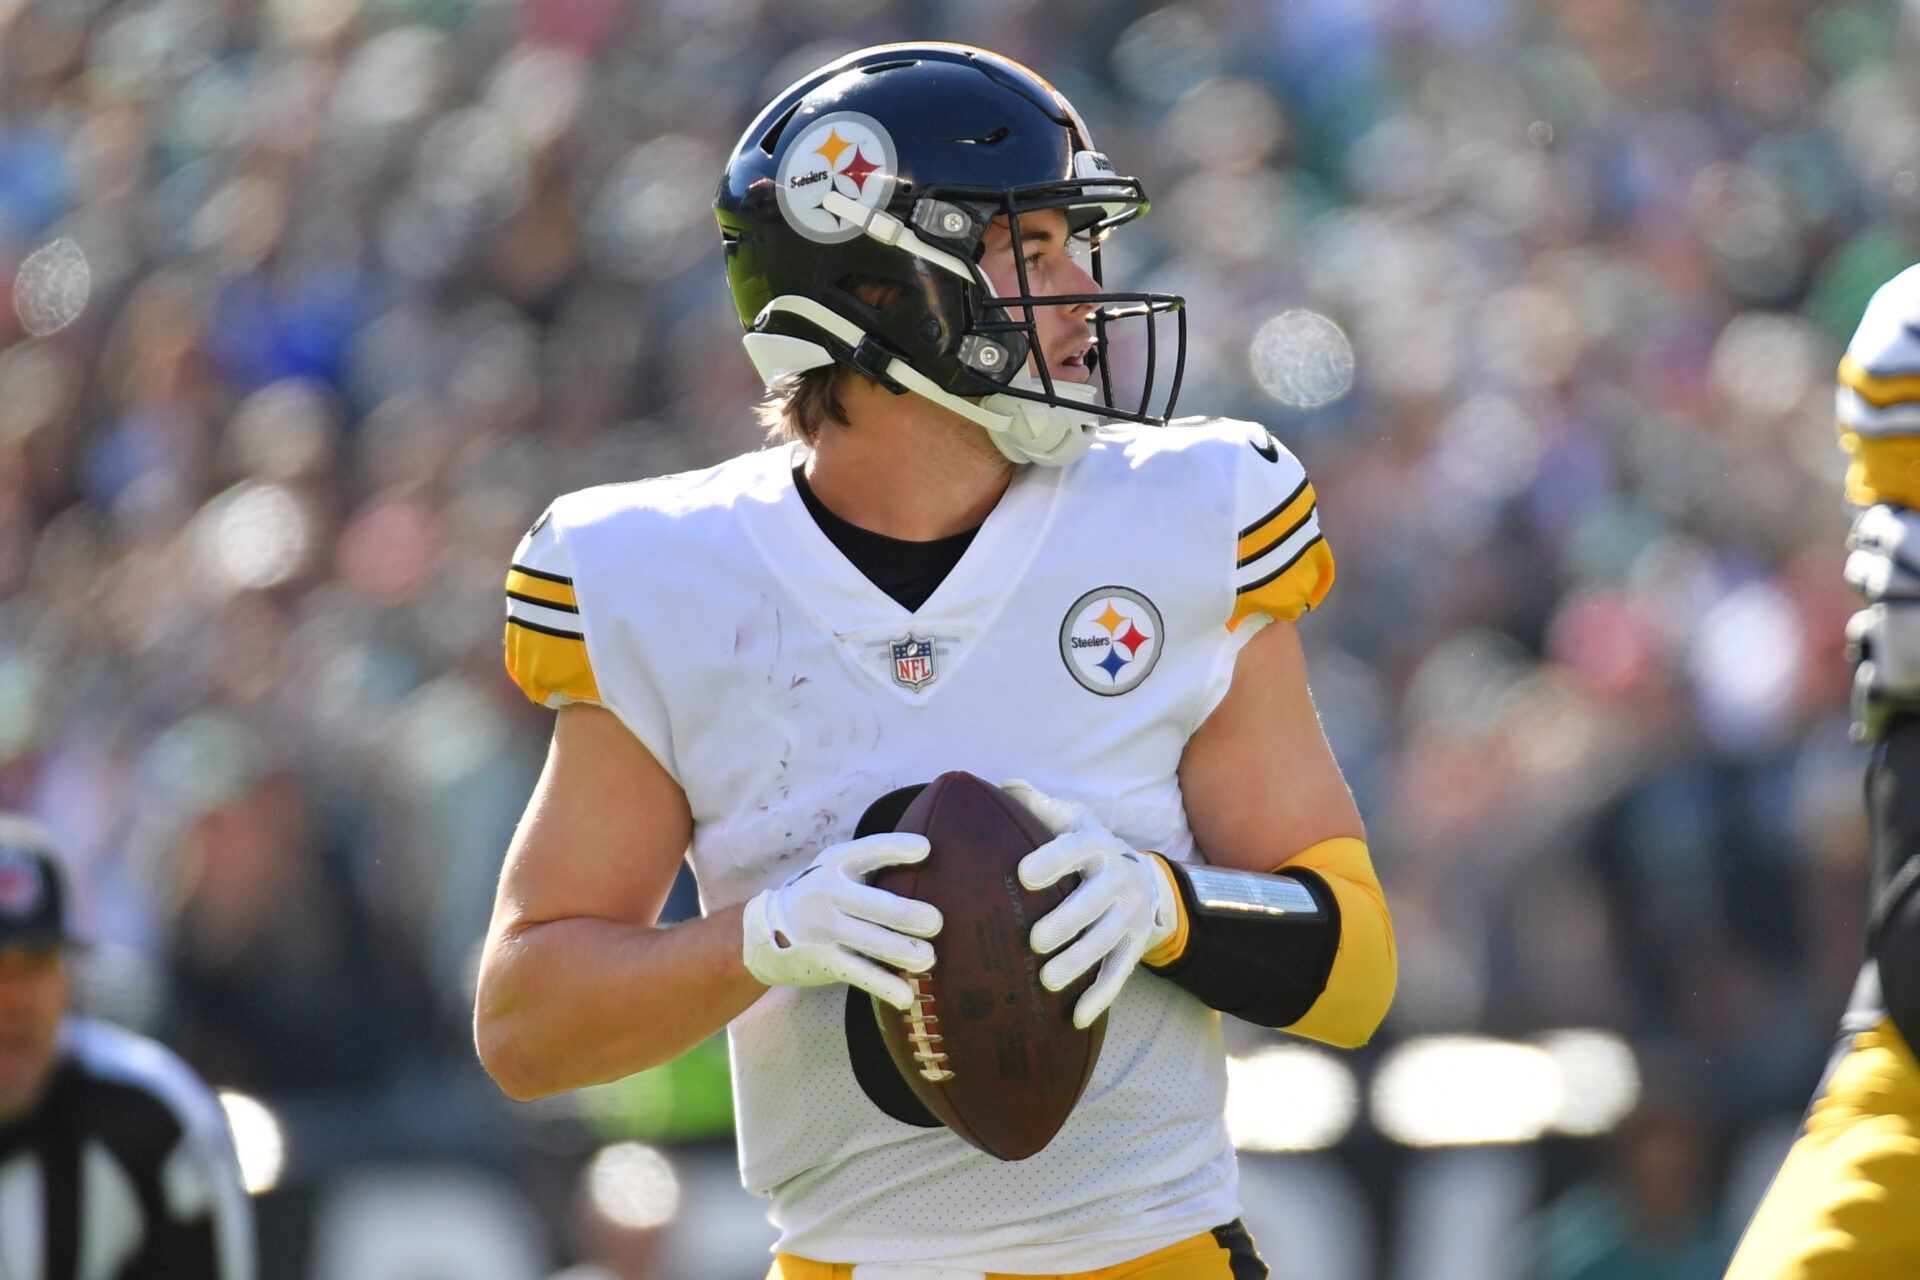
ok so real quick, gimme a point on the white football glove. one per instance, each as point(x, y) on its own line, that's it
point(827, 924)
point(1123, 907)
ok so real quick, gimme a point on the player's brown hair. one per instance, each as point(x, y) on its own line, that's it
point(800, 407)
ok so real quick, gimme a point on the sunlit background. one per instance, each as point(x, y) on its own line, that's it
point(314, 304)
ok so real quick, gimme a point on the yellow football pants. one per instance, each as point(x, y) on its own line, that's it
point(1846, 1204)
point(1227, 1255)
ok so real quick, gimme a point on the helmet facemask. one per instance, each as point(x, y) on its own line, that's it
point(915, 213)
point(1094, 206)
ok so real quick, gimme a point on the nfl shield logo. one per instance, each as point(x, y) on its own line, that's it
point(912, 662)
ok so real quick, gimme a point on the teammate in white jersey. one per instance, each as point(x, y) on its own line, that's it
point(975, 551)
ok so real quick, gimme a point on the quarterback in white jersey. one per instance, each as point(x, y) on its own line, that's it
point(969, 558)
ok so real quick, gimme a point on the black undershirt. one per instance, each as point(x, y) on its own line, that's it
point(907, 571)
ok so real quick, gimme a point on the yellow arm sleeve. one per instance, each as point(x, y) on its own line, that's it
point(1365, 968)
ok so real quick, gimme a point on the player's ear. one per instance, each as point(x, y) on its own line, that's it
point(885, 813)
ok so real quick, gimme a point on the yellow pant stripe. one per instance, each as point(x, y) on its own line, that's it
point(1846, 1204)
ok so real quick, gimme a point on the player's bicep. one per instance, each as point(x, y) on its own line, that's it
point(603, 833)
point(1259, 779)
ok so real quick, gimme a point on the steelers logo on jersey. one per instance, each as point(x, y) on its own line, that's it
point(1110, 639)
point(845, 152)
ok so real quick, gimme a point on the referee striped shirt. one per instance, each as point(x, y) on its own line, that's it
point(124, 1170)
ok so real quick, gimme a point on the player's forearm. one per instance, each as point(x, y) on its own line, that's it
point(575, 1002)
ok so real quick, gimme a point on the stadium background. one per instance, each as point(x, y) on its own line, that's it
point(315, 303)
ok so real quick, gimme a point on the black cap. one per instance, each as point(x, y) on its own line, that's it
point(33, 897)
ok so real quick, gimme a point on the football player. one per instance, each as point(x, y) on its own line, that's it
point(980, 549)
point(1846, 1204)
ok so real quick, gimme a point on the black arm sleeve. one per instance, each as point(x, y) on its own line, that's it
point(1893, 806)
point(1265, 968)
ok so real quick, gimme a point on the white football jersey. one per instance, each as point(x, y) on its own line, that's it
point(1088, 630)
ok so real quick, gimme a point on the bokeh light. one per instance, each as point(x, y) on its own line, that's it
point(1602, 1080)
point(1289, 1098)
point(653, 218)
point(51, 288)
point(1302, 359)
point(1168, 51)
point(253, 536)
point(634, 1186)
point(1466, 1091)
point(257, 1140)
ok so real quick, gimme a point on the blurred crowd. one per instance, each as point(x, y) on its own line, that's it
point(314, 304)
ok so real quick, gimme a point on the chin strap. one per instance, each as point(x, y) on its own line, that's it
point(1023, 430)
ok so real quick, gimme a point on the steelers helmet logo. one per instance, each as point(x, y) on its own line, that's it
point(1110, 640)
point(843, 151)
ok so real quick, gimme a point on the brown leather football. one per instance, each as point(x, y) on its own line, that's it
point(988, 1050)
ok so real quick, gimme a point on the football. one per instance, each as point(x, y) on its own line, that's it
point(989, 1051)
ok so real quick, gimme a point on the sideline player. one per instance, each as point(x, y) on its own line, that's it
point(978, 551)
point(1846, 1204)
point(115, 1161)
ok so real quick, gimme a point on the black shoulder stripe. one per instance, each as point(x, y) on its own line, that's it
point(1246, 560)
point(1292, 560)
point(541, 574)
point(544, 604)
point(545, 631)
point(138, 1125)
point(1281, 506)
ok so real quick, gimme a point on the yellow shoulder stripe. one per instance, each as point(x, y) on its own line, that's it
point(1290, 590)
point(1882, 468)
point(542, 588)
point(545, 664)
point(1365, 967)
point(1879, 391)
point(1272, 529)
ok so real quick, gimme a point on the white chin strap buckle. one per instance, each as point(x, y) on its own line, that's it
point(1033, 431)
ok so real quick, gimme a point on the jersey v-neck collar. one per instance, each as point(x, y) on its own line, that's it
point(849, 607)
point(908, 571)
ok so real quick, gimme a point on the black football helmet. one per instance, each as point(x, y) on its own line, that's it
point(889, 165)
